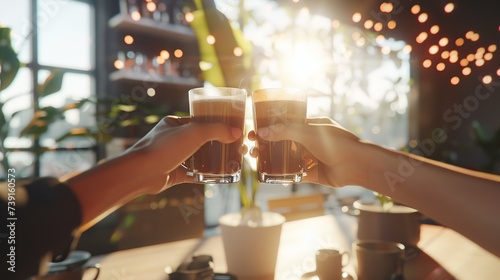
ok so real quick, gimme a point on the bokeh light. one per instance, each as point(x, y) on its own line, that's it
point(427, 63)
point(128, 39)
point(415, 9)
point(448, 8)
point(487, 79)
point(423, 17)
point(356, 17)
point(434, 29)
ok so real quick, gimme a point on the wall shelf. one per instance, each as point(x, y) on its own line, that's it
point(129, 75)
point(151, 27)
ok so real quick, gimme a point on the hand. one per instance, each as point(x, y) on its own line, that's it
point(170, 143)
point(331, 151)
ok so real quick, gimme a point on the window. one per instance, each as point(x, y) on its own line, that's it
point(49, 34)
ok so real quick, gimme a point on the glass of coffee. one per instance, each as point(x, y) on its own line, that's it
point(279, 162)
point(216, 162)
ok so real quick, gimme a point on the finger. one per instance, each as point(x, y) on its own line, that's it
point(172, 120)
point(252, 136)
point(243, 149)
point(254, 152)
point(320, 120)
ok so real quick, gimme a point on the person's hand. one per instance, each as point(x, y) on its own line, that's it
point(331, 155)
point(171, 142)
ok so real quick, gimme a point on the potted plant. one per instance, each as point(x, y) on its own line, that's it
point(386, 220)
point(252, 231)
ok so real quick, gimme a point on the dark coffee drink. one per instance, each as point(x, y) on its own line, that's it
point(215, 157)
point(279, 157)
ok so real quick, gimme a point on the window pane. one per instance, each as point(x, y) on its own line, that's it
point(17, 109)
point(22, 162)
point(74, 88)
point(65, 34)
point(59, 163)
point(16, 15)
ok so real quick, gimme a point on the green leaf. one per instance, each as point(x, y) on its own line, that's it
point(41, 120)
point(9, 63)
point(52, 84)
point(78, 104)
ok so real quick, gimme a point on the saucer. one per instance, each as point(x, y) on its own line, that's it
point(310, 275)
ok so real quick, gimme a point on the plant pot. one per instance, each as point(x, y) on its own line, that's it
point(398, 223)
point(251, 251)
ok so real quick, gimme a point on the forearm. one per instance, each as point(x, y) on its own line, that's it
point(109, 185)
point(464, 200)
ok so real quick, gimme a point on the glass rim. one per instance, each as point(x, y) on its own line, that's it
point(217, 91)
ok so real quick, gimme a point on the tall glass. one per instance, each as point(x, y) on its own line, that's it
point(279, 161)
point(216, 162)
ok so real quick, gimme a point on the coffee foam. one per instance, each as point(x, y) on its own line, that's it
point(271, 94)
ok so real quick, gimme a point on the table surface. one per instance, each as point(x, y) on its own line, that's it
point(444, 254)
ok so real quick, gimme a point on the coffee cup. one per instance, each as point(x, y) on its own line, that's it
point(73, 268)
point(217, 162)
point(330, 263)
point(378, 259)
point(279, 161)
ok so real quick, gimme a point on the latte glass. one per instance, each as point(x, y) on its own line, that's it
point(279, 161)
point(216, 162)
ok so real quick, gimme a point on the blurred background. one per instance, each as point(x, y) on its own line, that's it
point(81, 80)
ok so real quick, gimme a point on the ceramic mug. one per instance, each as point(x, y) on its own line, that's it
point(378, 259)
point(398, 223)
point(330, 263)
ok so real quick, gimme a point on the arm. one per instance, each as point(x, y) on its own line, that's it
point(148, 167)
point(464, 200)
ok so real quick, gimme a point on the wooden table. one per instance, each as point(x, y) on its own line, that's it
point(444, 254)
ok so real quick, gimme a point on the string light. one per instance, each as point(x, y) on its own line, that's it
point(178, 53)
point(427, 63)
point(421, 37)
point(238, 51)
point(407, 49)
point(448, 8)
point(455, 80)
point(165, 54)
point(423, 17)
point(135, 15)
point(459, 42)
point(434, 29)
point(368, 24)
point(487, 79)
point(440, 66)
point(433, 49)
point(464, 62)
point(128, 39)
point(466, 71)
point(391, 24)
point(445, 55)
point(210, 39)
point(492, 48)
point(356, 17)
point(416, 9)
point(488, 56)
point(443, 41)
point(378, 26)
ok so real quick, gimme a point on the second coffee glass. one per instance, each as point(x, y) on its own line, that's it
point(216, 162)
point(279, 162)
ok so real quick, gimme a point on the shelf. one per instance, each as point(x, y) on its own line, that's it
point(130, 75)
point(151, 27)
